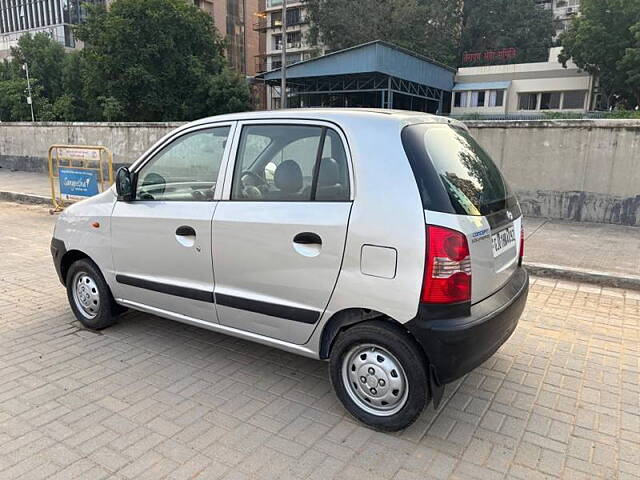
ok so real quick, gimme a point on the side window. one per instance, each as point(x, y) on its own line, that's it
point(185, 170)
point(286, 168)
point(283, 171)
point(333, 176)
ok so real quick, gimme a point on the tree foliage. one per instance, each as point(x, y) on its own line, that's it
point(439, 29)
point(428, 27)
point(498, 24)
point(144, 60)
point(605, 41)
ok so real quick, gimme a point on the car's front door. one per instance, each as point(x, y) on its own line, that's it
point(161, 241)
point(279, 235)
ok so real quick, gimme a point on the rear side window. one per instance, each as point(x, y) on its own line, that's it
point(454, 174)
point(293, 163)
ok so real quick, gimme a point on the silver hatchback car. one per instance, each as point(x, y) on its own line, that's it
point(387, 242)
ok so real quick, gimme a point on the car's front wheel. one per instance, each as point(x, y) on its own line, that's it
point(378, 372)
point(89, 295)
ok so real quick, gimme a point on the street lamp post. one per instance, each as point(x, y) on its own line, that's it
point(25, 67)
point(283, 68)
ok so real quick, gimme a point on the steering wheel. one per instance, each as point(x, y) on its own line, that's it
point(252, 185)
point(257, 179)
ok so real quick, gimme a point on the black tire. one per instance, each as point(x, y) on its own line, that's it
point(106, 310)
point(407, 353)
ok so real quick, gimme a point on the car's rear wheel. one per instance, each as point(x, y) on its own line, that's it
point(378, 372)
point(89, 295)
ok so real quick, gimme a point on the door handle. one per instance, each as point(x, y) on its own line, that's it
point(307, 238)
point(185, 231)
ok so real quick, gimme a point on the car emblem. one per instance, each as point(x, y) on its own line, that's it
point(509, 215)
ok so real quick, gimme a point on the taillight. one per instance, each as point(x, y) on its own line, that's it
point(521, 246)
point(447, 273)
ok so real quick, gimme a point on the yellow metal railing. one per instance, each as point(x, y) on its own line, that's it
point(77, 171)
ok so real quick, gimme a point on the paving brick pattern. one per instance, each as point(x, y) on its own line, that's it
point(151, 398)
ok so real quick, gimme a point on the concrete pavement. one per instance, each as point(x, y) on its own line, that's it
point(26, 187)
point(151, 398)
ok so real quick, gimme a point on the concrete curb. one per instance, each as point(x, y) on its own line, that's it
point(20, 197)
point(605, 279)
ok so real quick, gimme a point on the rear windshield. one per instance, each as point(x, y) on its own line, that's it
point(454, 174)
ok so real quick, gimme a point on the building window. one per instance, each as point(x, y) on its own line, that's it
point(574, 100)
point(527, 101)
point(276, 62)
point(478, 98)
point(293, 16)
point(460, 99)
point(276, 19)
point(571, 100)
point(550, 101)
point(496, 98)
point(294, 39)
point(274, 3)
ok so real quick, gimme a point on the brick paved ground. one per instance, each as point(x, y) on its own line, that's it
point(151, 398)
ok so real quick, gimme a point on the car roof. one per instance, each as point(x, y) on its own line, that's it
point(336, 115)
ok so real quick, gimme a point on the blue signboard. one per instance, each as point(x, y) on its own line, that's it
point(81, 183)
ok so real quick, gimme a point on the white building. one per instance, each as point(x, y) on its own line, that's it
point(564, 11)
point(54, 17)
point(522, 88)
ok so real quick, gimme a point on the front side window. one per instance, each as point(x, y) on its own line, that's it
point(186, 169)
point(290, 163)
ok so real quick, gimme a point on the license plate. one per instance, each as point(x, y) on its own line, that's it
point(503, 240)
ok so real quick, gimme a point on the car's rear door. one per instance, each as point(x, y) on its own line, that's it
point(279, 234)
point(161, 241)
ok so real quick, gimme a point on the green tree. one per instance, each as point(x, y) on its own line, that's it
point(52, 81)
point(45, 58)
point(13, 100)
point(631, 65)
point(153, 60)
point(428, 27)
point(604, 41)
point(498, 24)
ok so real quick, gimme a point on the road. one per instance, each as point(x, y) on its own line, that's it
point(151, 398)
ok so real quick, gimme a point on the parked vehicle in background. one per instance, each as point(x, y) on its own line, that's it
point(386, 242)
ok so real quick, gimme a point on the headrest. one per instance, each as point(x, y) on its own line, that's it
point(288, 177)
point(329, 172)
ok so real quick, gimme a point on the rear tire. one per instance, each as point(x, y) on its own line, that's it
point(379, 374)
point(89, 296)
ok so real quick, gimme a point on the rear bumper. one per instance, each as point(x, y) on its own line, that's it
point(455, 346)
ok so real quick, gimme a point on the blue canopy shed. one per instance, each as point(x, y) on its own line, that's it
point(375, 74)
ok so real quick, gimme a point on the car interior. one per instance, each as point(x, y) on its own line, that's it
point(284, 169)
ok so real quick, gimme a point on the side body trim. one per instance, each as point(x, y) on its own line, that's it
point(272, 309)
point(178, 291)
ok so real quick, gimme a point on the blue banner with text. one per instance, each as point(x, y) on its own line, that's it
point(82, 183)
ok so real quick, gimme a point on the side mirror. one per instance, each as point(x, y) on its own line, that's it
point(124, 185)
